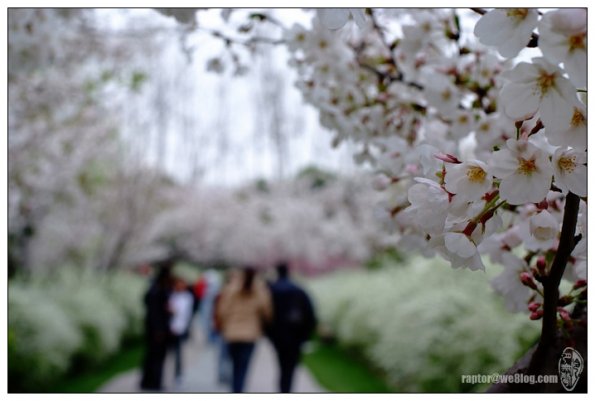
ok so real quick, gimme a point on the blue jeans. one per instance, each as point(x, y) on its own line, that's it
point(224, 362)
point(176, 344)
point(240, 353)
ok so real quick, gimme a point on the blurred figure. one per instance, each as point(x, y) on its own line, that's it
point(293, 322)
point(242, 311)
point(195, 305)
point(224, 368)
point(157, 320)
point(211, 287)
point(180, 304)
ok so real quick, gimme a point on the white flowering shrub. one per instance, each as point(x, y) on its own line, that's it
point(42, 337)
point(126, 291)
point(69, 321)
point(421, 324)
point(100, 320)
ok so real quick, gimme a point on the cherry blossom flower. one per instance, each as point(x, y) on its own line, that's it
point(496, 245)
point(570, 171)
point(563, 39)
point(490, 131)
point(486, 69)
point(441, 93)
point(468, 180)
point(427, 29)
point(296, 37)
point(458, 249)
point(429, 205)
point(508, 284)
point(570, 129)
point(463, 123)
point(336, 18)
point(507, 29)
point(534, 86)
point(540, 231)
point(525, 172)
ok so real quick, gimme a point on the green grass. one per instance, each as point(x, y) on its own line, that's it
point(339, 371)
point(129, 357)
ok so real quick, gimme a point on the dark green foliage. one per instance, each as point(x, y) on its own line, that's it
point(340, 370)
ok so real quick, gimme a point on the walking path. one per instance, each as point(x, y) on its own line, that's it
point(200, 375)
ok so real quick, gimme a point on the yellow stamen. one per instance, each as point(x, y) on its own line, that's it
point(446, 95)
point(476, 174)
point(485, 126)
point(567, 164)
point(578, 118)
point(527, 167)
point(546, 81)
point(518, 13)
point(577, 41)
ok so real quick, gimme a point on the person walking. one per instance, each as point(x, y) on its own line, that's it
point(243, 308)
point(293, 322)
point(157, 317)
point(180, 304)
point(211, 287)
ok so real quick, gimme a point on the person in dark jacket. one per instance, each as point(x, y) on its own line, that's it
point(157, 333)
point(293, 322)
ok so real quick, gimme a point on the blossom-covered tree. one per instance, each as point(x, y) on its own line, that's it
point(315, 222)
point(75, 195)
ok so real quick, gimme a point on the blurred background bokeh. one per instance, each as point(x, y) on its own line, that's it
point(132, 139)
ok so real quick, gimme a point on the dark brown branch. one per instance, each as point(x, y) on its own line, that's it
point(552, 281)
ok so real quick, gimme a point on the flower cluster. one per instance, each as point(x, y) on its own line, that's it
point(317, 223)
point(476, 149)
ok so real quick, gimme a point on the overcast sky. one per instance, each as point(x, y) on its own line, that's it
point(223, 131)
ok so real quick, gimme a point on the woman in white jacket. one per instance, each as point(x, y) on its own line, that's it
point(180, 304)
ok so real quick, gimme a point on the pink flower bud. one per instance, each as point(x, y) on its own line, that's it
point(534, 306)
point(541, 265)
point(445, 157)
point(564, 314)
point(536, 315)
point(527, 280)
point(579, 284)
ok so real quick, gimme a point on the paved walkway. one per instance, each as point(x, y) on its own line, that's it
point(200, 362)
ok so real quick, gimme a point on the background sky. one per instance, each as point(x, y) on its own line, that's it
point(217, 126)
